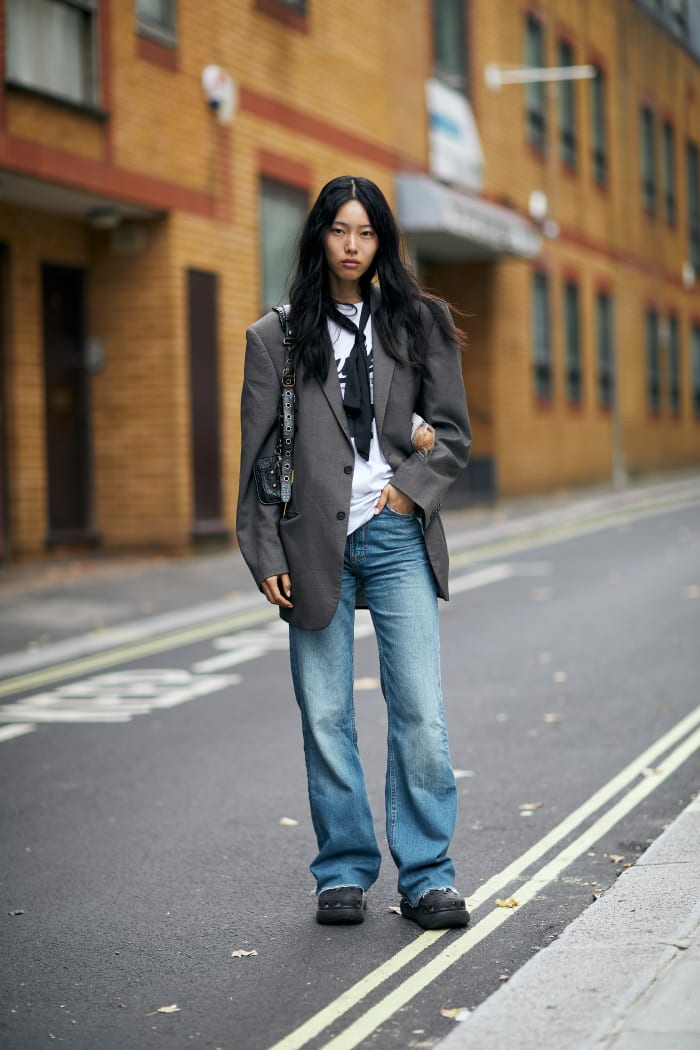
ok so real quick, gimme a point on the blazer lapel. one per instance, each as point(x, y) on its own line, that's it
point(384, 365)
point(331, 388)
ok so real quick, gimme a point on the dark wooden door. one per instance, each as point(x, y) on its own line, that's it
point(3, 434)
point(67, 410)
point(204, 401)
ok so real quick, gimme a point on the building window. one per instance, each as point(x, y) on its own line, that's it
point(678, 13)
point(693, 191)
point(668, 171)
point(653, 362)
point(567, 109)
point(449, 44)
point(695, 369)
point(674, 367)
point(647, 144)
point(156, 18)
point(572, 343)
point(604, 346)
point(599, 155)
point(52, 47)
point(541, 337)
point(535, 94)
point(283, 210)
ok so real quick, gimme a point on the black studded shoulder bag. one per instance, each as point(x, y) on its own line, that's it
point(274, 474)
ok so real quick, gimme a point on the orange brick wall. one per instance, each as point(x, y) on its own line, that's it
point(345, 96)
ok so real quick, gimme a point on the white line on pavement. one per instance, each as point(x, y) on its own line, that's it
point(10, 732)
point(409, 988)
point(353, 995)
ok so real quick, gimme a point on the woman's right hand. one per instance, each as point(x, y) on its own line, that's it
point(278, 590)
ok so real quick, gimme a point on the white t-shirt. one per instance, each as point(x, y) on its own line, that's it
point(370, 475)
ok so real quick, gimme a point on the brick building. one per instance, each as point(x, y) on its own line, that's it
point(140, 235)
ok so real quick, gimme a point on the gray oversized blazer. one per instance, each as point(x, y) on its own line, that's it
point(309, 541)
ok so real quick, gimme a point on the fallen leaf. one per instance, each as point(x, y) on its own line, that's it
point(529, 806)
point(552, 718)
point(510, 903)
point(459, 774)
point(560, 676)
point(241, 953)
point(503, 977)
point(615, 858)
point(19, 911)
point(540, 594)
point(455, 1013)
point(395, 909)
point(288, 822)
point(649, 772)
point(174, 1009)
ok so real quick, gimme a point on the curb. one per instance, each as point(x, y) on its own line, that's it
point(615, 976)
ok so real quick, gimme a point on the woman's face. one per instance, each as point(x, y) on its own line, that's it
point(349, 247)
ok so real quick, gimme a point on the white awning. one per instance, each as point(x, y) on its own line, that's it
point(444, 225)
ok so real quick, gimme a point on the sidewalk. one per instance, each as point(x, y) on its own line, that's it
point(625, 975)
point(65, 608)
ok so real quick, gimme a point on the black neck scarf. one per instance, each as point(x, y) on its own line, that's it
point(357, 398)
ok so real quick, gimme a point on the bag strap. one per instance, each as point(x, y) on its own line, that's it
point(285, 440)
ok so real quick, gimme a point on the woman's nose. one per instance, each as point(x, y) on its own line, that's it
point(350, 245)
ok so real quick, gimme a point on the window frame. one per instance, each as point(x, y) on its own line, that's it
point(161, 33)
point(541, 336)
point(695, 368)
point(605, 364)
point(571, 317)
point(652, 344)
point(599, 149)
point(293, 192)
point(692, 175)
point(457, 80)
point(535, 93)
point(647, 157)
point(668, 171)
point(568, 132)
point(673, 366)
point(91, 104)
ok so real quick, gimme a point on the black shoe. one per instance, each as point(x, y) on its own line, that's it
point(437, 910)
point(344, 904)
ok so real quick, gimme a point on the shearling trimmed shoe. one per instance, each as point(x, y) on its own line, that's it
point(342, 904)
point(437, 910)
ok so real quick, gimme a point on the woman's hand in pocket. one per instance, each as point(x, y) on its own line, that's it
point(396, 499)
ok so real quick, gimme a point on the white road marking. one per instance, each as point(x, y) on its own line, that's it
point(496, 573)
point(115, 697)
point(353, 995)
point(10, 732)
point(409, 988)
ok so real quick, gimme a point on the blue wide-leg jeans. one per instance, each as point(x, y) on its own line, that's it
point(388, 557)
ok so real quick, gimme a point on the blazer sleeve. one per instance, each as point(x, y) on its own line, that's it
point(257, 525)
point(442, 402)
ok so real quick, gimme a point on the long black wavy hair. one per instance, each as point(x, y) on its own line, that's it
point(401, 296)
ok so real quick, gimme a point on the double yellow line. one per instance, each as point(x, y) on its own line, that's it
point(686, 731)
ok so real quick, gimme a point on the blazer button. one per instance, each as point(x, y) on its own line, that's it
point(348, 470)
point(340, 515)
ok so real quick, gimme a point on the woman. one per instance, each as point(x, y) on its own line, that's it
point(374, 355)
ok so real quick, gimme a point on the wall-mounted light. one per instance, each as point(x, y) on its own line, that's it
point(106, 218)
point(688, 274)
point(221, 93)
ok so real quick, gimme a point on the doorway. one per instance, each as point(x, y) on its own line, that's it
point(4, 539)
point(67, 406)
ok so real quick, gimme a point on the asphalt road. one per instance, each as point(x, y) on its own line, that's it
point(154, 821)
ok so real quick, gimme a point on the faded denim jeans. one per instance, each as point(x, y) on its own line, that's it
point(388, 557)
